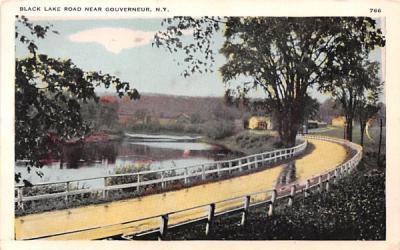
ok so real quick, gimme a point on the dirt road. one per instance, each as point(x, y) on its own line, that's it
point(324, 156)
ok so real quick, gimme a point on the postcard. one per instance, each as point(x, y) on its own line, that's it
point(244, 124)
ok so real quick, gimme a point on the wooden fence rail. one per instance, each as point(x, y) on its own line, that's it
point(162, 177)
point(318, 183)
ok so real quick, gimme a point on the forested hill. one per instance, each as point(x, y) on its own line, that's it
point(168, 106)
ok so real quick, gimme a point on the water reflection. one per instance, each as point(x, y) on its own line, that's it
point(102, 158)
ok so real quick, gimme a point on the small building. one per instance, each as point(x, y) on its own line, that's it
point(182, 118)
point(260, 122)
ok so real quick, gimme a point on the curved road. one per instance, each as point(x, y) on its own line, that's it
point(324, 156)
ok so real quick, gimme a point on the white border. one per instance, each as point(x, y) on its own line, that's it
point(390, 9)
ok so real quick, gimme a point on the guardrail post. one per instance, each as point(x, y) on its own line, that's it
point(245, 210)
point(20, 202)
point(268, 159)
point(218, 169)
point(163, 226)
point(203, 172)
point(186, 175)
point(320, 183)
point(210, 218)
point(275, 157)
point(104, 193)
point(138, 183)
point(247, 163)
point(327, 182)
point(351, 166)
point(292, 193)
point(271, 204)
point(306, 190)
point(335, 176)
point(230, 167)
point(67, 191)
point(162, 180)
point(240, 165)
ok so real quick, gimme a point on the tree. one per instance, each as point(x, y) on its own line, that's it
point(350, 86)
point(141, 114)
point(365, 112)
point(195, 118)
point(311, 108)
point(329, 109)
point(101, 115)
point(284, 56)
point(48, 93)
point(368, 106)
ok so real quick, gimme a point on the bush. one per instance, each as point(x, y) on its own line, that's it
point(218, 129)
point(127, 169)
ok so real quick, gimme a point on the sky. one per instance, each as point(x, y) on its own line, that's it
point(122, 47)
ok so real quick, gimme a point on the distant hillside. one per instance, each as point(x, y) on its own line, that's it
point(167, 106)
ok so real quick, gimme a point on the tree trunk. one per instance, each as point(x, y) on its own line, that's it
point(288, 128)
point(362, 128)
point(349, 129)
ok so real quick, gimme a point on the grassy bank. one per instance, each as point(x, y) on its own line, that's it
point(370, 144)
point(249, 142)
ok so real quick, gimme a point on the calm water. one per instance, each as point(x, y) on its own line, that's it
point(103, 158)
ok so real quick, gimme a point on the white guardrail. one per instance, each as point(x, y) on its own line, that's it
point(244, 203)
point(161, 177)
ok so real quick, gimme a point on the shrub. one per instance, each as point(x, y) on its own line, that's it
point(218, 129)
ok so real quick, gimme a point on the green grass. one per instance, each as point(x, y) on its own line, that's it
point(250, 142)
point(369, 145)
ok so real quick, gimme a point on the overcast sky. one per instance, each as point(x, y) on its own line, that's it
point(122, 47)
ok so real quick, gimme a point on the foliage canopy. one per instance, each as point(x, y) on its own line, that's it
point(48, 93)
point(283, 56)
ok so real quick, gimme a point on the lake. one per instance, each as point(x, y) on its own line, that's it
point(86, 160)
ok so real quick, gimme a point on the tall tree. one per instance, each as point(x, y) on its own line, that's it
point(368, 106)
point(350, 87)
point(329, 109)
point(284, 56)
point(366, 112)
point(102, 115)
point(48, 92)
point(311, 108)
